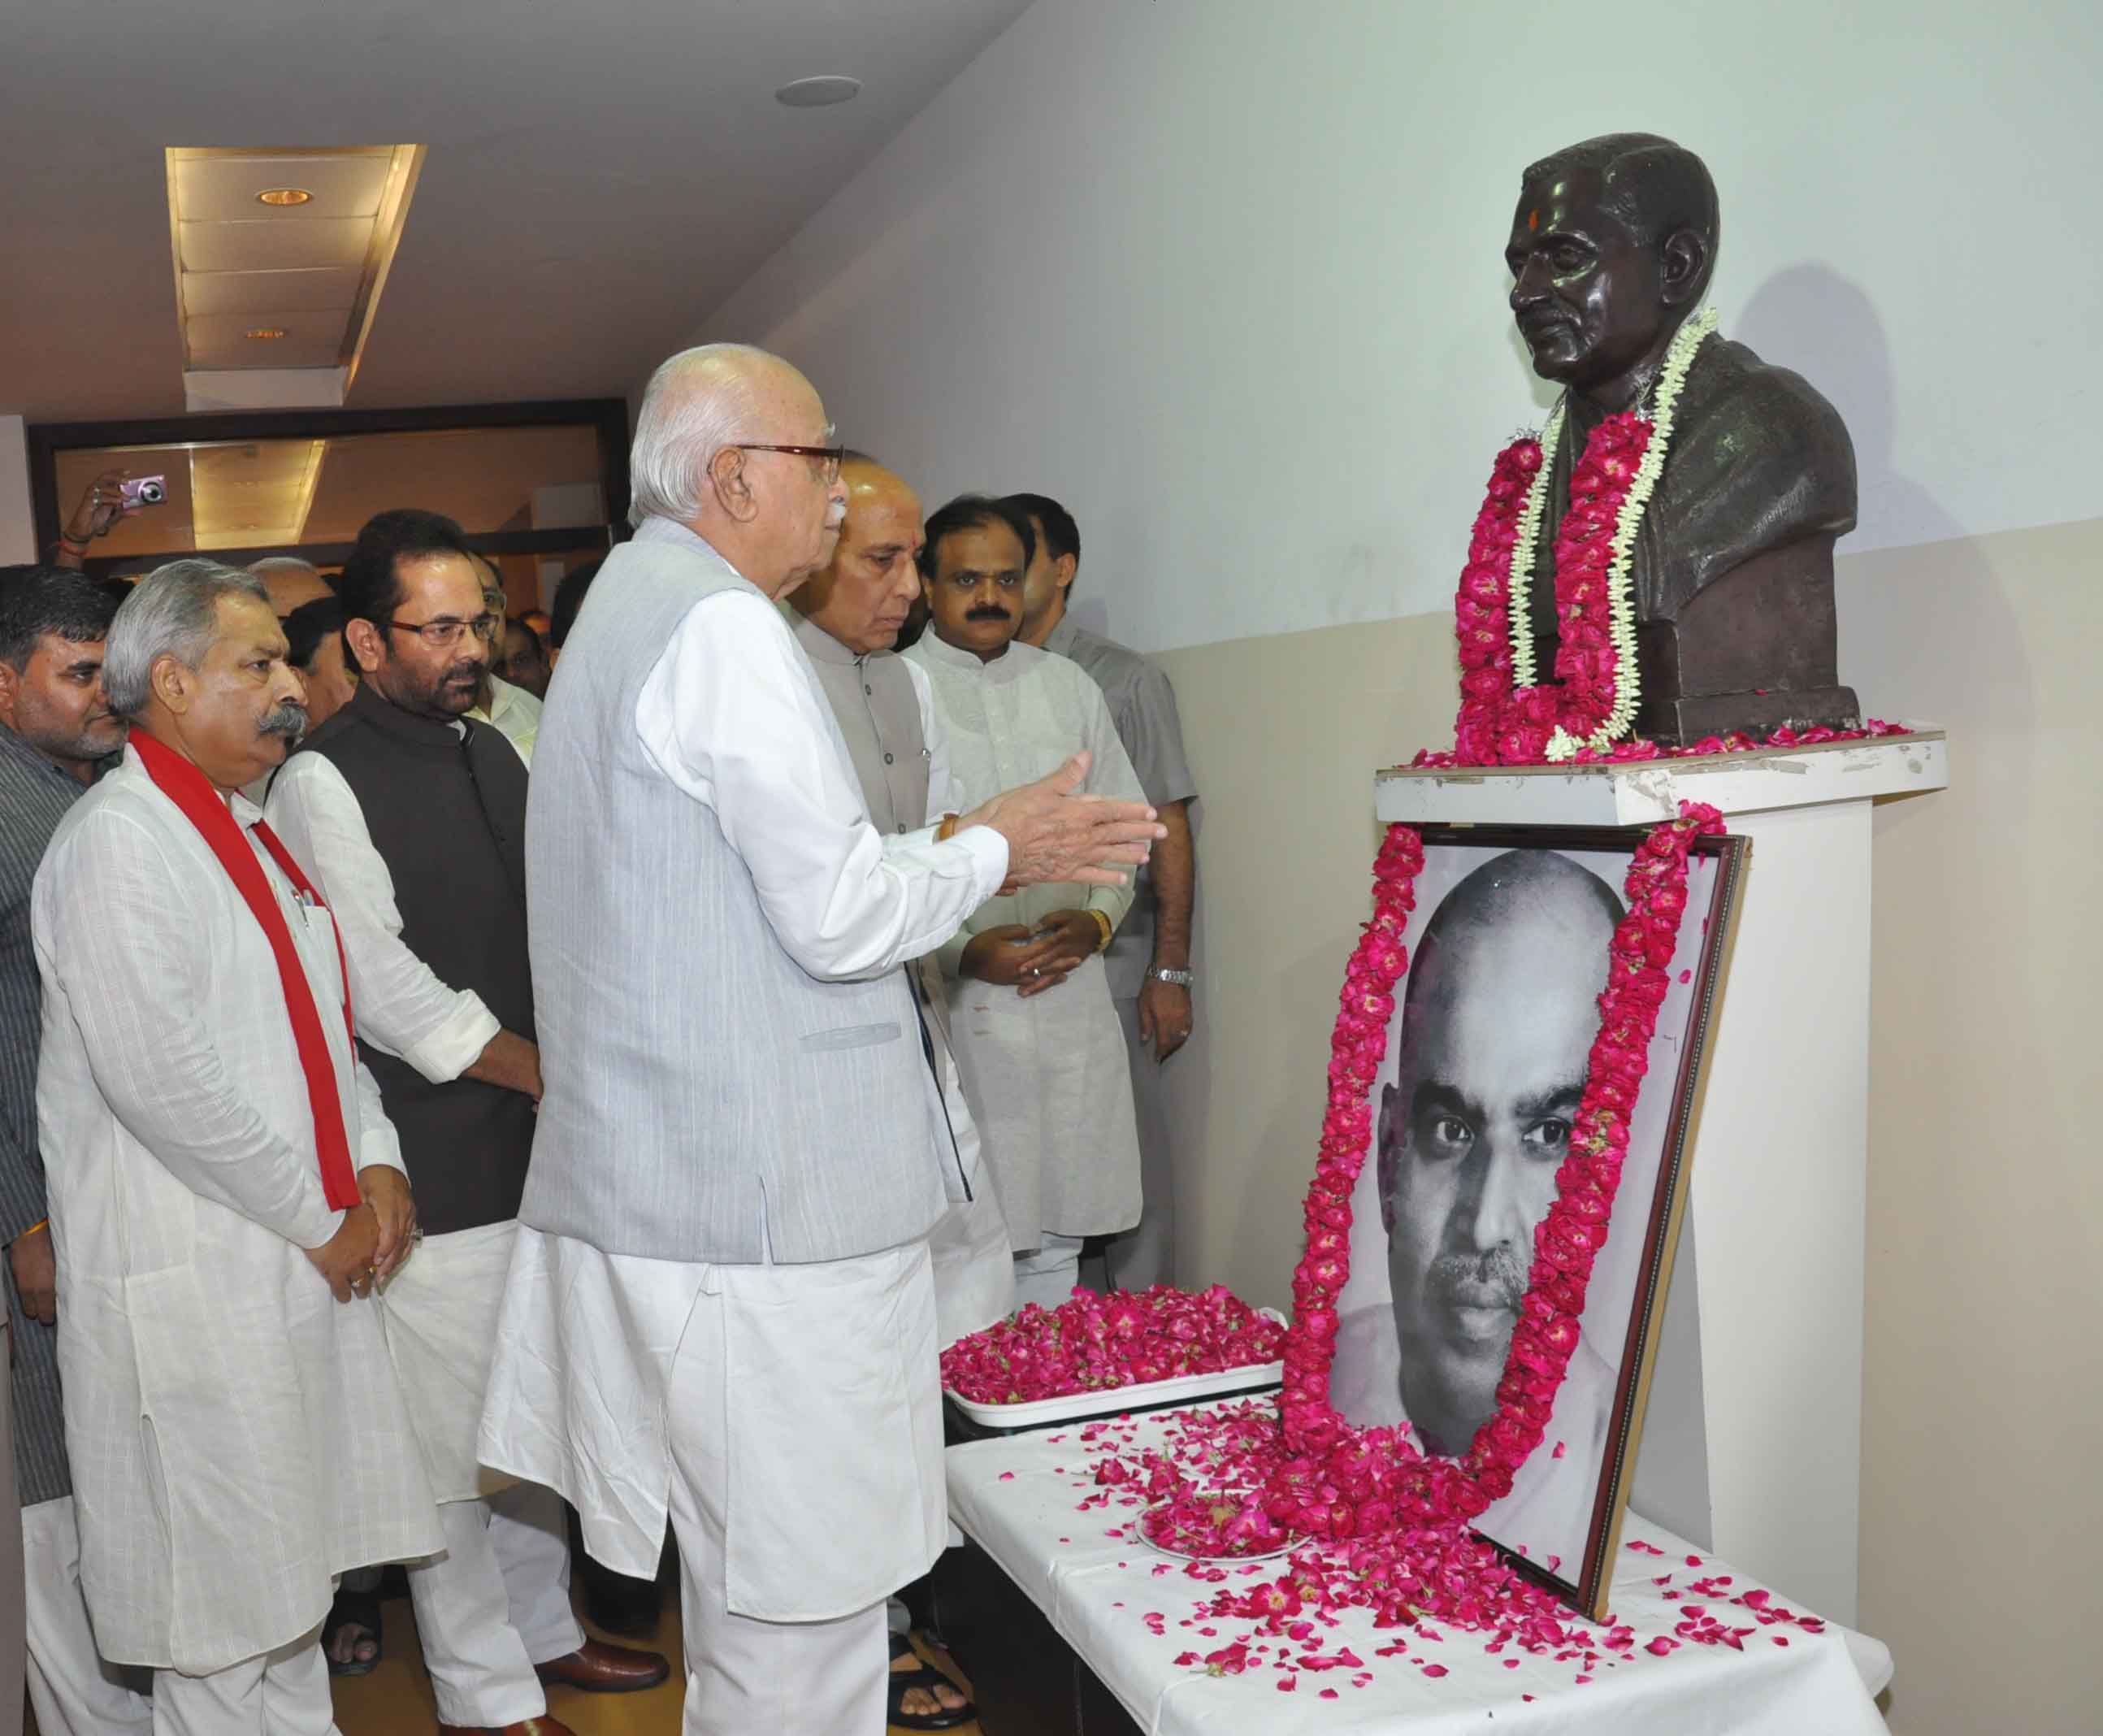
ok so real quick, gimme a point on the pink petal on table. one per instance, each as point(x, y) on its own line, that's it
point(1661, 1647)
point(1008, 1476)
point(1561, 1450)
point(1434, 1670)
point(1328, 1694)
point(1287, 1683)
point(1692, 1560)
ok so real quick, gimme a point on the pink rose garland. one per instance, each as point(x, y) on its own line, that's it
point(1338, 1481)
point(1502, 725)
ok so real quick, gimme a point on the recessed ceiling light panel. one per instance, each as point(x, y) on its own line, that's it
point(262, 333)
point(821, 92)
point(284, 196)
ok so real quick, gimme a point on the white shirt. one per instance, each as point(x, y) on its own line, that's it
point(236, 1434)
point(516, 715)
point(403, 1008)
point(1548, 1514)
point(580, 1394)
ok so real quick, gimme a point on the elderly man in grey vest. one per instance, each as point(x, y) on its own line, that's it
point(721, 1303)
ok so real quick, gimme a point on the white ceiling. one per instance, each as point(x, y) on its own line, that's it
point(599, 178)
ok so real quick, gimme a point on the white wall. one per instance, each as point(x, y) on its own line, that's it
point(1226, 275)
point(18, 530)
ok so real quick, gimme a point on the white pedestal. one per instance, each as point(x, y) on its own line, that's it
point(1753, 1442)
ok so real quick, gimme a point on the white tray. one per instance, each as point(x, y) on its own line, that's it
point(1114, 1401)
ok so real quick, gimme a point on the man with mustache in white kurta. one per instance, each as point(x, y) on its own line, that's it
point(225, 1191)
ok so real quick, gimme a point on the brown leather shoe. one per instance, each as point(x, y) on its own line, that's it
point(597, 1667)
point(531, 1727)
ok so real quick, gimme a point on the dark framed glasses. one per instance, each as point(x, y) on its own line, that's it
point(831, 457)
point(442, 635)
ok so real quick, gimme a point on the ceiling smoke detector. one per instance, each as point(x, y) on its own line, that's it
point(821, 92)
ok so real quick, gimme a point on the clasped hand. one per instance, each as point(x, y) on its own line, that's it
point(1031, 960)
point(375, 1237)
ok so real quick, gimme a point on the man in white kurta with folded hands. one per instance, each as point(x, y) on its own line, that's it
point(225, 1191)
point(721, 1303)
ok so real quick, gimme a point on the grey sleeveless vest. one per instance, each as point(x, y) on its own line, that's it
point(879, 713)
point(697, 1078)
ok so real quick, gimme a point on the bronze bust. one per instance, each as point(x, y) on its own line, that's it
point(1611, 248)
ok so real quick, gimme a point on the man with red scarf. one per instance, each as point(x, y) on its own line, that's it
point(225, 1191)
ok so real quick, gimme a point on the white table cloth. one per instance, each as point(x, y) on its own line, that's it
point(1017, 1497)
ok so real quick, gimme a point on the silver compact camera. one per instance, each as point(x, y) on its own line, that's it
point(144, 490)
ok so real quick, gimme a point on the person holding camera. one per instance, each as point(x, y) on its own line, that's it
point(114, 495)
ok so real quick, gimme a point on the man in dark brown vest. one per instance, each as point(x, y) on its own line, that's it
point(410, 819)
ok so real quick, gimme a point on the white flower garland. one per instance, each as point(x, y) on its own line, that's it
point(1519, 579)
point(1621, 599)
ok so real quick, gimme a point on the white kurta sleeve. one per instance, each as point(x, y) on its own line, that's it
point(377, 1141)
point(401, 1007)
point(730, 715)
point(126, 938)
point(941, 798)
point(1110, 774)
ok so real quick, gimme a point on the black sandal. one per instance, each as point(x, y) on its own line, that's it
point(359, 1609)
point(928, 1678)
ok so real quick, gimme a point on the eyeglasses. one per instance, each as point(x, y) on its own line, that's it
point(831, 457)
point(442, 635)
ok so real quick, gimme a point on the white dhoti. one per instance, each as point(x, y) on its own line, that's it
point(786, 1419)
point(496, 1601)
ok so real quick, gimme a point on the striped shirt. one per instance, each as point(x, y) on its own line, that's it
point(34, 795)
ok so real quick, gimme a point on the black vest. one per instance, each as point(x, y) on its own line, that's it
point(448, 817)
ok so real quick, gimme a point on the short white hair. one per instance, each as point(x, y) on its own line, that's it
point(696, 403)
point(171, 612)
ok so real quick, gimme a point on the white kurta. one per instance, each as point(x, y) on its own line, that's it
point(236, 1434)
point(835, 1496)
point(1049, 1073)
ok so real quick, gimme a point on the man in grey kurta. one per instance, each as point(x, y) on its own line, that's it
point(846, 618)
point(1036, 1034)
point(55, 734)
point(1149, 963)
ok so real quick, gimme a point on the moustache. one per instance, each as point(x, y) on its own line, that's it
point(1496, 1279)
point(469, 673)
point(987, 613)
point(287, 718)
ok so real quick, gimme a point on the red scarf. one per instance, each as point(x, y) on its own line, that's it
point(206, 809)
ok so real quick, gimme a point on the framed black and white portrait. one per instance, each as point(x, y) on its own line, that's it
point(1472, 1112)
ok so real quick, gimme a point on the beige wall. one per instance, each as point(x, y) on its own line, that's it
point(1983, 1426)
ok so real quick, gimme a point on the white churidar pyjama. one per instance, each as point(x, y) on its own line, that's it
point(73, 1689)
point(284, 1693)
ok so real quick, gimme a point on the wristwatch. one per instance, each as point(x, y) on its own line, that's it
point(1181, 979)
